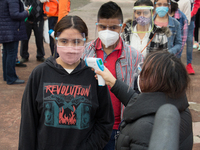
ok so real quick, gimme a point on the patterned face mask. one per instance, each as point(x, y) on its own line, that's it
point(143, 20)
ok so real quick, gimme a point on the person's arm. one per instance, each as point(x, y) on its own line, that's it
point(195, 7)
point(29, 117)
point(184, 31)
point(177, 40)
point(121, 90)
point(15, 13)
point(104, 121)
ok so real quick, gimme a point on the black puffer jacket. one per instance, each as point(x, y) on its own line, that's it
point(139, 114)
point(12, 16)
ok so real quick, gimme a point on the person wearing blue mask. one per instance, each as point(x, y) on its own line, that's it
point(162, 19)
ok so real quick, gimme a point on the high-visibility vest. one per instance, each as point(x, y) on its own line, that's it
point(64, 8)
point(51, 8)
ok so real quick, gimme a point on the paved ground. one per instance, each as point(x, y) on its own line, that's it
point(10, 100)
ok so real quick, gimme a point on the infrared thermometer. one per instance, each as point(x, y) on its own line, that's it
point(96, 64)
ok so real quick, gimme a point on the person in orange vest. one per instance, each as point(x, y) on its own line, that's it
point(51, 9)
point(64, 8)
point(55, 10)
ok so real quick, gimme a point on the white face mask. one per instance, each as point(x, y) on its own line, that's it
point(138, 83)
point(108, 37)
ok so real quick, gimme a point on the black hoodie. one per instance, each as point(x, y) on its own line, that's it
point(62, 111)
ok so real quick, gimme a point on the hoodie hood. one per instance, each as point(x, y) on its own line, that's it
point(149, 103)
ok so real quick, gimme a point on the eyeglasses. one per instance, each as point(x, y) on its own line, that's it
point(145, 13)
point(162, 4)
point(74, 42)
point(109, 27)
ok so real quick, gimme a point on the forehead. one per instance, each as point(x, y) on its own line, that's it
point(110, 21)
point(70, 33)
point(162, 1)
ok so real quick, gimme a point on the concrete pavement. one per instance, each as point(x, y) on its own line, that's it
point(10, 100)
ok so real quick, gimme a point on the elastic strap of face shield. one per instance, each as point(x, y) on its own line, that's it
point(148, 42)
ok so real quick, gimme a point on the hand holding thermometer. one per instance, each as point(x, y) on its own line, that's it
point(96, 64)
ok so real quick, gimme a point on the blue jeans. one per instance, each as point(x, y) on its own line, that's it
point(111, 144)
point(9, 59)
point(189, 42)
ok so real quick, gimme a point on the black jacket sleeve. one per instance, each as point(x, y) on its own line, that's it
point(14, 10)
point(104, 121)
point(29, 116)
point(122, 91)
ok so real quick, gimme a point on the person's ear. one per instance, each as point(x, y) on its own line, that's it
point(123, 27)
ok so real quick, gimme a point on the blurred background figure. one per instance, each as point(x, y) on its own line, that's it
point(140, 31)
point(51, 9)
point(183, 6)
point(34, 22)
point(196, 31)
point(64, 8)
point(182, 19)
point(162, 19)
point(12, 30)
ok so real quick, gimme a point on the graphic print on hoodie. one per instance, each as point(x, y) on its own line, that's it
point(66, 105)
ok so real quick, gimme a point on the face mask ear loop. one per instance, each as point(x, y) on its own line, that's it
point(120, 29)
point(121, 25)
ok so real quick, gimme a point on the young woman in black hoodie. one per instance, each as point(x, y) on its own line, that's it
point(63, 108)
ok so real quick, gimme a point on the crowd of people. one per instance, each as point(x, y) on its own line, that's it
point(65, 106)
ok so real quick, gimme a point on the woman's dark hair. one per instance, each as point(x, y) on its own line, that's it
point(174, 6)
point(169, 1)
point(74, 22)
point(143, 2)
point(163, 72)
point(110, 10)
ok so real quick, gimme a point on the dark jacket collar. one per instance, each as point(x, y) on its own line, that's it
point(149, 103)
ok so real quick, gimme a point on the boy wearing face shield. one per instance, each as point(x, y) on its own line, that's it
point(120, 58)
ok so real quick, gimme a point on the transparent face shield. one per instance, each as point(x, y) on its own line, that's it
point(108, 31)
point(142, 20)
point(70, 46)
